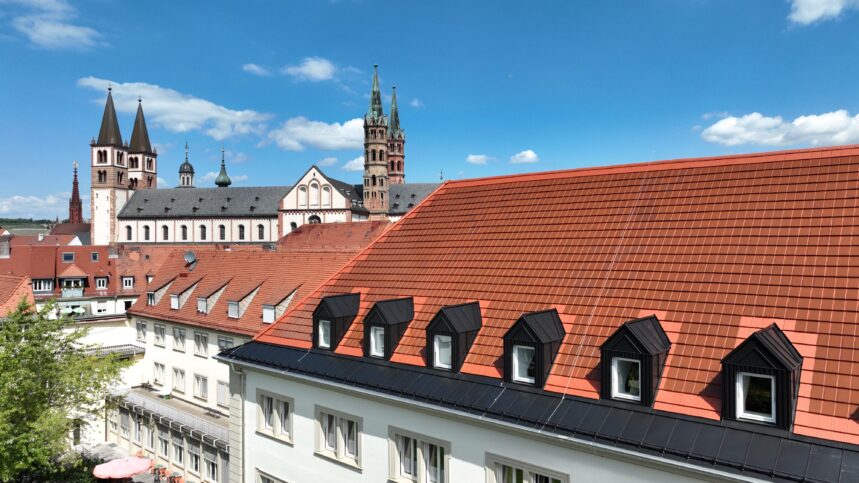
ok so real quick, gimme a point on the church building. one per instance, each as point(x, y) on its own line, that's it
point(127, 207)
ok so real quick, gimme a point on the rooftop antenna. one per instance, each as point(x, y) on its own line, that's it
point(441, 174)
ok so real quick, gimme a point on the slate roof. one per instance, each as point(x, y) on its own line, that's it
point(717, 248)
point(216, 202)
point(406, 194)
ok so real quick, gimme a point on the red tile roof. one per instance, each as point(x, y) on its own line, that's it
point(333, 236)
point(716, 248)
point(12, 290)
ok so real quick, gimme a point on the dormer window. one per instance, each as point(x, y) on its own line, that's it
point(332, 319)
point(762, 379)
point(385, 325)
point(530, 347)
point(201, 305)
point(233, 310)
point(150, 298)
point(632, 360)
point(450, 334)
point(174, 302)
point(268, 314)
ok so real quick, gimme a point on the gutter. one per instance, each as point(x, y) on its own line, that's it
point(592, 447)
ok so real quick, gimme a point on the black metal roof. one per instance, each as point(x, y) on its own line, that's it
point(394, 312)
point(246, 202)
point(544, 326)
point(647, 333)
point(109, 134)
point(774, 340)
point(463, 317)
point(340, 306)
point(745, 449)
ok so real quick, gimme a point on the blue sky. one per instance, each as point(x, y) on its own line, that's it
point(484, 87)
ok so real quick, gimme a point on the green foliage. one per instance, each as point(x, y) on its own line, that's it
point(47, 377)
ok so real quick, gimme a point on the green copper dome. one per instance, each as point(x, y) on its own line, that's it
point(222, 181)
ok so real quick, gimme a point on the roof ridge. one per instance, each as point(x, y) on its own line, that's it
point(665, 165)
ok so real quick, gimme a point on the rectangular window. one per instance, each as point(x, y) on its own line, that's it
point(201, 386)
point(193, 461)
point(150, 438)
point(523, 364)
point(442, 351)
point(417, 458)
point(160, 334)
point(626, 379)
point(150, 298)
point(138, 430)
point(233, 310)
point(179, 339)
point(141, 331)
point(163, 446)
point(267, 412)
point(275, 416)
point(325, 334)
point(127, 282)
point(502, 470)
point(101, 283)
point(158, 373)
point(68, 257)
point(268, 314)
point(223, 394)
point(94, 256)
point(174, 302)
point(225, 343)
point(755, 397)
point(124, 422)
point(211, 470)
point(265, 478)
point(201, 344)
point(377, 341)
point(43, 285)
point(178, 454)
point(338, 436)
point(202, 305)
point(178, 379)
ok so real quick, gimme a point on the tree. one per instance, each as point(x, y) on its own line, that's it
point(46, 374)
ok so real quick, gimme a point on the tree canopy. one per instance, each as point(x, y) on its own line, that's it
point(48, 378)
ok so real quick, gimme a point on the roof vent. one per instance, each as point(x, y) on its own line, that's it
point(201, 200)
point(229, 199)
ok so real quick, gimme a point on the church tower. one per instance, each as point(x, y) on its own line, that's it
point(142, 159)
point(76, 214)
point(396, 145)
point(375, 151)
point(109, 177)
point(186, 172)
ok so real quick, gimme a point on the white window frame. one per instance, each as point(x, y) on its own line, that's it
point(178, 339)
point(616, 392)
point(177, 380)
point(43, 285)
point(375, 351)
point(204, 337)
point(202, 305)
point(201, 387)
point(321, 340)
point(178, 457)
point(281, 416)
point(435, 347)
point(174, 302)
point(141, 331)
point(192, 452)
point(341, 421)
point(421, 447)
point(493, 462)
point(160, 331)
point(150, 438)
point(264, 477)
point(515, 364)
point(741, 405)
point(158, 369)
point(209, 477)
point(225, 402)
point(101, 283)
point(233, 310)
point(150, 298)
point(127, 283)
point(225, 343)
point(164, 446)
point(268, 314)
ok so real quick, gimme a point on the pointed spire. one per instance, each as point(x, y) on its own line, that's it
point(140, 135)
point(375, 111)
point(186, 167)
point(75, 205)
point(223, 180)
point(109, 134)
point(395, 130)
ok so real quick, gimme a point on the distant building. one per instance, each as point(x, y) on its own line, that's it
point(126, 207)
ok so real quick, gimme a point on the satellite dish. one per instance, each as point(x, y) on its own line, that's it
point(190, 257)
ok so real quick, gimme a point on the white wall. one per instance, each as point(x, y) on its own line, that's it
point(469, 442)
point(174, 227)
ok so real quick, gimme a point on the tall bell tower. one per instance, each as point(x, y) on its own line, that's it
point(142, 159)
point(109, 181)
point(396, 145)
point(376, 184)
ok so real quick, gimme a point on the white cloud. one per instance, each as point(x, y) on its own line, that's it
point(477, 159)
point(328, 161)
point(211, 175)
point(298, 133)
point(180, 112)
point(416, 103)
point(526, 156)
point(256, 70)
point(805, 12)
point(32, 206)
point(836, 127)
point(356, 164)
point(48, 24)
point(710, 115)
point(313, 69)
point(233, 157)
point(162, 183)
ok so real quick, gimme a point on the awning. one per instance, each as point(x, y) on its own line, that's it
point(122, 468)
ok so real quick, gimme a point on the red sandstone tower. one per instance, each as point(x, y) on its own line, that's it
point(75, 206)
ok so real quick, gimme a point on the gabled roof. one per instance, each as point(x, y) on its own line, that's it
point(462, 317)
point(12, 290)
point(109, 134)
point(71, 229)
point(72, 271)
point(647, 335)
point(140, 135)
point(772, 340)
point(341, 306)
point(544, 326)
point(204, 202)
point(395, 311)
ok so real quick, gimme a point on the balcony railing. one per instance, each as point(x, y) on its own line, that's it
point(163, 409)
point(71, 292)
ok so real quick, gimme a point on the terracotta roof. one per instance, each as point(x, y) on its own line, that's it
point(716, 248)
point(333, 236)
point(12, 290)
point(71, 229)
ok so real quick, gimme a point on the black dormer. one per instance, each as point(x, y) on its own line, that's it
point(760, 379)
point(333, 316)
point(450, 335)
point(530, 347)
point(385, 325)
point(632, 360)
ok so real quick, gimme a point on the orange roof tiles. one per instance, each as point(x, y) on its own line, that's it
point(12, 290)
point(716, 247)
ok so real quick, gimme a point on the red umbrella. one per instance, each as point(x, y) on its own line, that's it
point(122, 468)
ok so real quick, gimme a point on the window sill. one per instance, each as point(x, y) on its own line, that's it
point(159, 345)
point(201, 398)
point(279, 438)
point(202, 356)
point(348, 463)
point(176, 349)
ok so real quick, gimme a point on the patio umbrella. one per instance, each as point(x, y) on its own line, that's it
point(122, 468)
